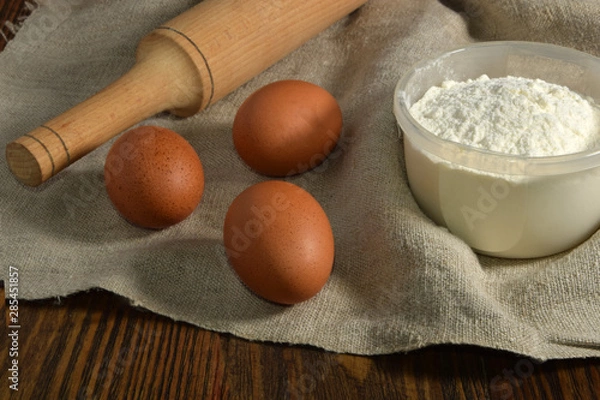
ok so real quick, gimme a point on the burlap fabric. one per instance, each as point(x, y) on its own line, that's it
point(399, 281)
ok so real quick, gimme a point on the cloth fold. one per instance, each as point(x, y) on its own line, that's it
point(399, 281)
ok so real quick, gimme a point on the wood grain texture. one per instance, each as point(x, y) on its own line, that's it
point(96, 345)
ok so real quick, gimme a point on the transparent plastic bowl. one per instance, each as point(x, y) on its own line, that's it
point(503, 205)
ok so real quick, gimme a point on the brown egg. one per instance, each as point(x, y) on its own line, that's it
point(287, 127)
point(153, 177)
point(279, 241)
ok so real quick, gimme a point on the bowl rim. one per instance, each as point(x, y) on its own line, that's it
point(516, 164)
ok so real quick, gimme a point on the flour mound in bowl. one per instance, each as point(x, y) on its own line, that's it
point(511, 115)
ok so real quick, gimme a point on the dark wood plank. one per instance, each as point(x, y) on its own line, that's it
point(96, 345)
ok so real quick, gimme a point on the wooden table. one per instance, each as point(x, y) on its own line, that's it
point(96, 345)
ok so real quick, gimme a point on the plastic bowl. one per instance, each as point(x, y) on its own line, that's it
point(503, 205)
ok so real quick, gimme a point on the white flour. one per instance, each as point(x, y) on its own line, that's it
point(511, 115)
point(517, 214)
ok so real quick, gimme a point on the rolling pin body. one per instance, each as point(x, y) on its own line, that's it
point(183, 66)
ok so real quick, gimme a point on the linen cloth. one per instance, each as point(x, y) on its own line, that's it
point(399, 281)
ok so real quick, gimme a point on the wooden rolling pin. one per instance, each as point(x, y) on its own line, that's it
point(182, 66)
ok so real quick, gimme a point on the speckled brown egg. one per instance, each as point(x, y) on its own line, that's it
point(287, 127)
point(153, 177)
point(279, 241)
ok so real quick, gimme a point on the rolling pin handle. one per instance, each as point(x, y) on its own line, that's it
point(163, 78)
point(182, 66)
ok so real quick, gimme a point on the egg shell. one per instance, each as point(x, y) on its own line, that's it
point(153, 177)
point(287, 127)
point(279, 241)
